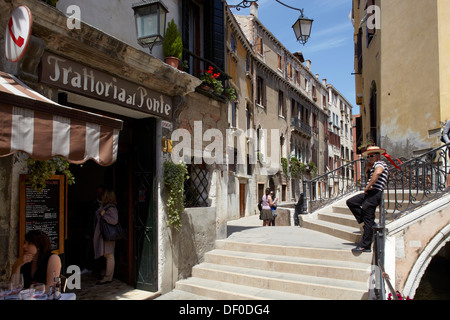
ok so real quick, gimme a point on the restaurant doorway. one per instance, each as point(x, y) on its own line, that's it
point(82, 205)
point(133, 178)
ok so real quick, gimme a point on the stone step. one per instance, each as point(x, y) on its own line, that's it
point(339, 218)
point(343, 209)
point(294, 251)
point(218, 290)
point(350, 234)
point(319, 287)
point(336, 269)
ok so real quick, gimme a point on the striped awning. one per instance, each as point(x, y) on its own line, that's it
point(31, 123)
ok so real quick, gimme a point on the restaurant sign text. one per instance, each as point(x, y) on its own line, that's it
point(75, 77)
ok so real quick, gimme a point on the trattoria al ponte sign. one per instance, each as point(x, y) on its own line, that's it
point(78, 78)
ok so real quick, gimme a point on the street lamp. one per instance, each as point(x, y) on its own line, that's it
point(302, 27)
point(150, 19)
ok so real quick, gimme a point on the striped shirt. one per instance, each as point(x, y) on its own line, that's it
point(380, 184)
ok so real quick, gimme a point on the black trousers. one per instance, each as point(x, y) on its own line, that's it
point(363, 207)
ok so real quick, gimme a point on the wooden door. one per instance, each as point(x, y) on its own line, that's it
point(242, 200)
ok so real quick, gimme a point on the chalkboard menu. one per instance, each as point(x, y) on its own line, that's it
point(43, 210)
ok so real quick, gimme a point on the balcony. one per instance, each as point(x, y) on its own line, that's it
point(301, 127)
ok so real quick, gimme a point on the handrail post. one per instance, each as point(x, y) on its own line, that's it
point(380, 241)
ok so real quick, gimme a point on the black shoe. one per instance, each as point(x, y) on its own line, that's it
point(360, 249)
point(103, 282)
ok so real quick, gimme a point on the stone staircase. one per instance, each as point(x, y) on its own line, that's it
point(238, 269)
point(243, 271)
point(336, 220)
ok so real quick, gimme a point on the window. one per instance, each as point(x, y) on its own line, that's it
point(314, 124)
point(260, 92)
point(294, 111)
point(233, 114)
point(370, 31)
point(281, 104)
point(289, 70)
point(280, 62)
point(233, 43)
point(248, 64)
point(248, 116)
point(259, 45)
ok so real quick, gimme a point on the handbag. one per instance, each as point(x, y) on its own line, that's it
point(111, 232)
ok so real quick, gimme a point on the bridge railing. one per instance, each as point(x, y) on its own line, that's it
point(417, 182)
point(333, 185)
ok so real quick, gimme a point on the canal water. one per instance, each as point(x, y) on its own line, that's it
point(435, 283)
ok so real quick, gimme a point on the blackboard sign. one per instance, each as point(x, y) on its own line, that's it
point(43, 210)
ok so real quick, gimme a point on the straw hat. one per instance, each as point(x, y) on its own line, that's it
point(373, 149)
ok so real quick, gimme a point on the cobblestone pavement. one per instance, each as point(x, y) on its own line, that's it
point(116, 290)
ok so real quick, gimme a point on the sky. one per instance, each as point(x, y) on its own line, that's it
point(330, 46)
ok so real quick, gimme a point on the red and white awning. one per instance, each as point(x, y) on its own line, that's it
point(31, 123)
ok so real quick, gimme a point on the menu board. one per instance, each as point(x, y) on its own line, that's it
point(43, 210)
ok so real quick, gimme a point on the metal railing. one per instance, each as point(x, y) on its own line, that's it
point(419, 181)
point(334, 185)
point(415, 183)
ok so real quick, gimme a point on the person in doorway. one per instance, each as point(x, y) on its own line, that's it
point(37, 264)
point(96, 265)
point(266, 213)
point(298, 210)
point(363, 206)
point(273, 207)
point(108, 211)
point(446, 137)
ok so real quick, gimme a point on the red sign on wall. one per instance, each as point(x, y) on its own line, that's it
point(18, 33)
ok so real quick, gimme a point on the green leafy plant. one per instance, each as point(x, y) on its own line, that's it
point(40, 171)
point(312, 167)
point(172, 44)
point(230, 93)
point(297, 168)
point(285, 165)
point(174, 176)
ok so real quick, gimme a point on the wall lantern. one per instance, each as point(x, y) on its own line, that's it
point(150, 19)
point(302, 29)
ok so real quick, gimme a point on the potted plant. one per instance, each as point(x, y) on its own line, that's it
point(209, 79)
point(172, 45)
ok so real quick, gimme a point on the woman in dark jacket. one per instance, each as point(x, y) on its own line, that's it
point(108, 212)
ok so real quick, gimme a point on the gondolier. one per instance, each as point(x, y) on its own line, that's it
point(363, 206)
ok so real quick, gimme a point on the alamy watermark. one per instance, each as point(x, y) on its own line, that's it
point(373, 17)
point(73, 277)
point(239, 144)
point(73, 14)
